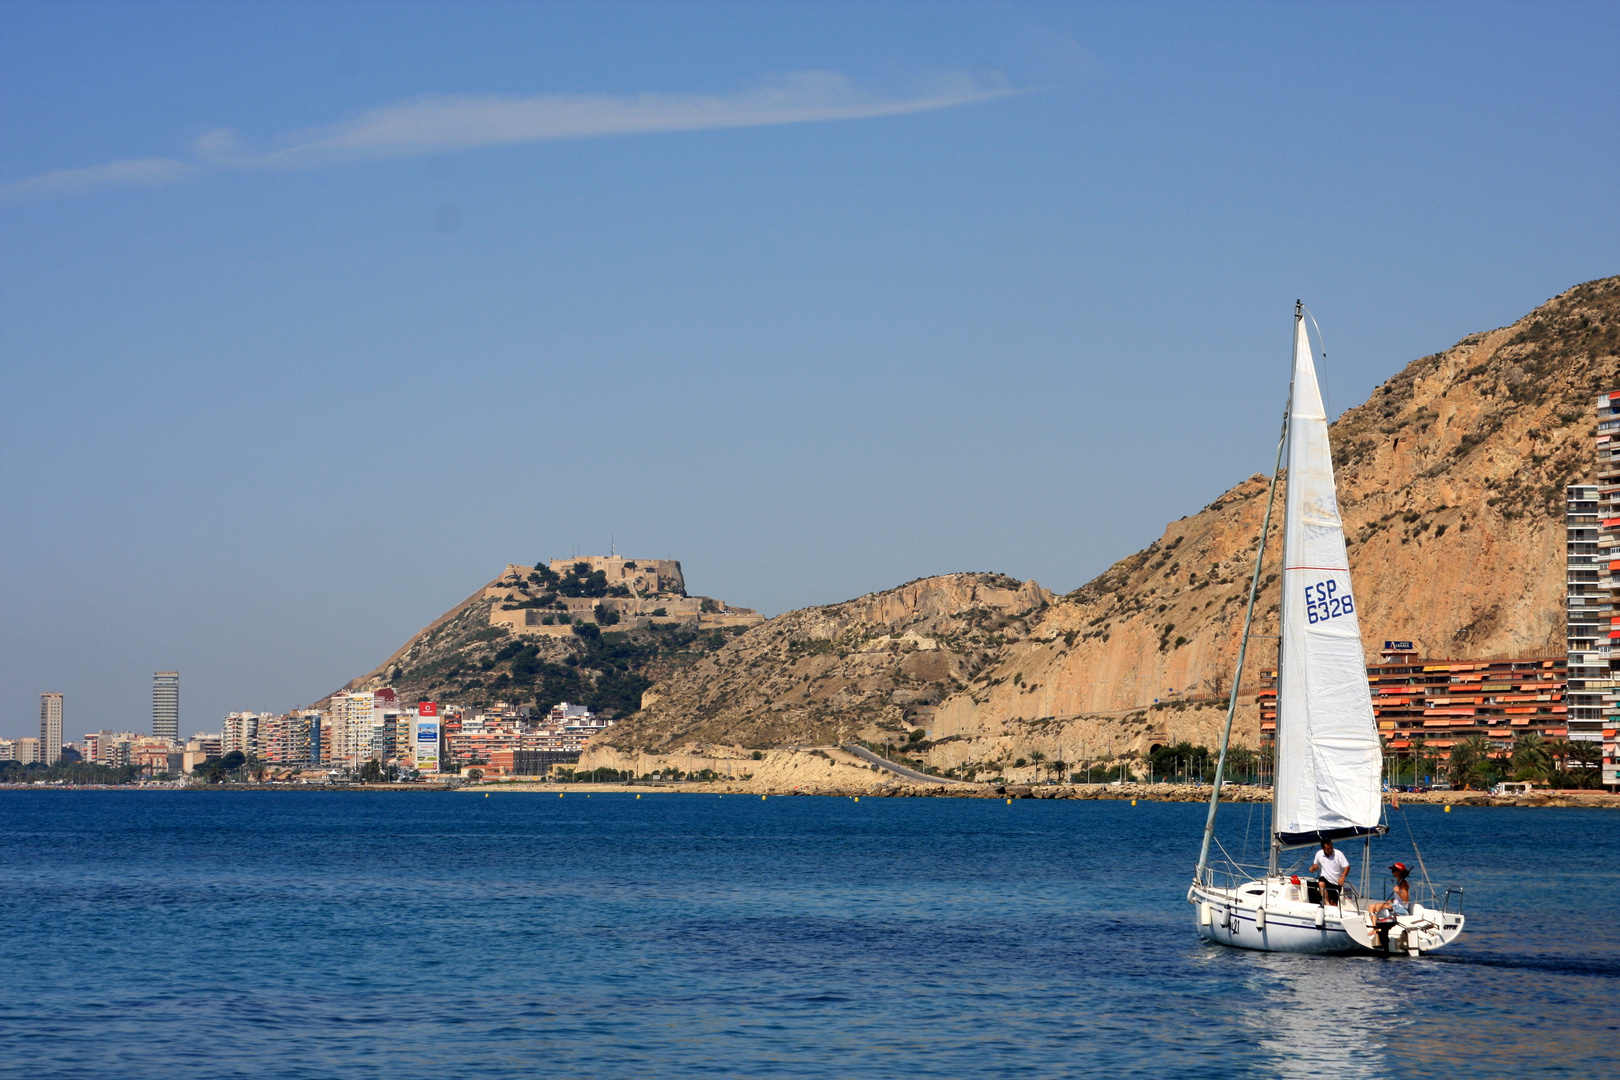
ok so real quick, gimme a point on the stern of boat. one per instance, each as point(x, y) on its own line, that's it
point(1423, 931)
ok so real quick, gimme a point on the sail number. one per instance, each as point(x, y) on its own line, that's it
point(1323, 602)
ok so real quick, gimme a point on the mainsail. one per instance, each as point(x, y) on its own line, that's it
point(1328, 755)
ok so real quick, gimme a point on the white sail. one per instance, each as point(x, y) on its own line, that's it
point(1327, 740)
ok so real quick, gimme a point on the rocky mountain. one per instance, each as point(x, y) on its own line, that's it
point(475, 653)
point(1451, 480)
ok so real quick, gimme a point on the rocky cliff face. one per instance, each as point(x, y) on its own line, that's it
point(881, 663)
point(1451, 481)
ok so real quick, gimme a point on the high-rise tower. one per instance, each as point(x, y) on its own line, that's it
point(50, 728)
point(166, 705)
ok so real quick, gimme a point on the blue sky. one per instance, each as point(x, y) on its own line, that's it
point(312, 317)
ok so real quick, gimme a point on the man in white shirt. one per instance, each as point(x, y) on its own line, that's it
point(1331, 868)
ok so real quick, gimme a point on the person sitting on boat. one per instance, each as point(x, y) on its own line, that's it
point(1331, 868)
point(1401, 904)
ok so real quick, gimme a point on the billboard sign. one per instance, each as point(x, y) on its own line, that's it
point(427, 737)
point(1397, 646)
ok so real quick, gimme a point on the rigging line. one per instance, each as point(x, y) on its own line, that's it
point(1243, 646)
point(1408, 822)
point(1248, 824)
point(1321, 379)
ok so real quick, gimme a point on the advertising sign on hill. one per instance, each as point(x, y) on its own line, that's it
point(427, 737)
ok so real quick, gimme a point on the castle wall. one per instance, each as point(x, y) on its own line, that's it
point(659, 583)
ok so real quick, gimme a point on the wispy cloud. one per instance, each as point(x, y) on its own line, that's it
point(143, 172)
point(439, 125)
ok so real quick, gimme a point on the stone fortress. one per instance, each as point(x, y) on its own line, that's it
point(629, 593)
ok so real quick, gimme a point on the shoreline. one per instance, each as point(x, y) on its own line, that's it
point(1104, 792)
point(1230, 793)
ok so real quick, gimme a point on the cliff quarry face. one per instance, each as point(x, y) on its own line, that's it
point(877, 664)
point(1451, 483)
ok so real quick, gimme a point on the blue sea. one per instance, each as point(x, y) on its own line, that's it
point(452, 935)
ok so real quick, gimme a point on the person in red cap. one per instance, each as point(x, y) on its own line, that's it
point(1402, 903)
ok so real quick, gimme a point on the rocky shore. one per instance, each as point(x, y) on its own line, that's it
point(1233, 793)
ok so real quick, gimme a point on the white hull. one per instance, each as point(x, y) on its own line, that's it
point(1269, 916)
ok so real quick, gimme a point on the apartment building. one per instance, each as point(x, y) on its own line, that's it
point(50, 728)
point(1589, 611)
point(240, 731)
point(1438, 703)
point(296, 738)
point(1600, 704)
point(166, 705)
point(492, 737)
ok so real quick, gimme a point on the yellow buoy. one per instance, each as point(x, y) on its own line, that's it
point(559, 794)
point(638, 796)
point(486, 794)
point(857, 798)
point(762, 798)
point(1009, 802)
point(1448, 809)
point(1133, 802)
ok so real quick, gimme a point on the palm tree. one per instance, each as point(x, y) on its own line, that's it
point(1460, 765)
point(1586, 759)
point(1559, 751)
point(1037, 756)
point(1531, 760)
point(1471, 761)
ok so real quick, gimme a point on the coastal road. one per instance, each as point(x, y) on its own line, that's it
point(899, 770)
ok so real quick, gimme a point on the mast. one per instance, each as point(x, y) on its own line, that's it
point(1243, 650)
point(1282, 608)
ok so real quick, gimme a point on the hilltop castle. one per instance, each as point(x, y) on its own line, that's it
point(552, 598)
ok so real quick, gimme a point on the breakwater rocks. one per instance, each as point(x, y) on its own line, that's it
point(1607, 800)
point(1194, 793)
point(1230, 793)
point(1149, 792)
point(1146, 792)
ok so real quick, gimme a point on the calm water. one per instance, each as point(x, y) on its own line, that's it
point(359, 935)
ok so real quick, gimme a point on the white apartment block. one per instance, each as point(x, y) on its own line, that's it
point(358, 725)
point(1592, 559)
point(50, 728)
point(240, 731)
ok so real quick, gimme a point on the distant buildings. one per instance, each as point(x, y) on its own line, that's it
point(199, 748)
point(240, 731)
point(50, 728)
point(290, 739)
point(1592, 534)
point(507, 741)
point(166, 705)
point(1431, 705)
point(154, 755)
point(24, 751)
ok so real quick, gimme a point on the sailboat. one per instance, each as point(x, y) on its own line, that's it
point(1328, 755)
